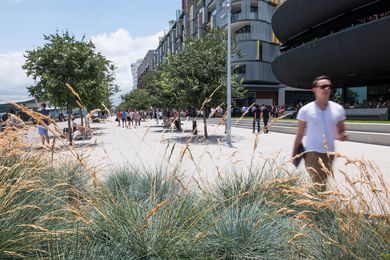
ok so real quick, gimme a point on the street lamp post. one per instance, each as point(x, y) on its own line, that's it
point(229, 76)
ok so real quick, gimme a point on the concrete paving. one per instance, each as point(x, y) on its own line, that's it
point(369, 133)
point(153, 146)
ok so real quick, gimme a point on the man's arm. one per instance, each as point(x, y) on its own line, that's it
point(298, 138)
point(341, 136)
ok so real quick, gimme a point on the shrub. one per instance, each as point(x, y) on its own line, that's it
point(36, 207)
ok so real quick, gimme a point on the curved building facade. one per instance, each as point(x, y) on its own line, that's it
point(345, 39)
point(251, 27)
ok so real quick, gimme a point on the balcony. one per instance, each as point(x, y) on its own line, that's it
point(243, 36)
point(355, 56)
point(242, 16)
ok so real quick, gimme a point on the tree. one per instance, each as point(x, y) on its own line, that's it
point(194, 77)
point(160, 86)
point(198, 73)
point(66, 60)
point(137, 98)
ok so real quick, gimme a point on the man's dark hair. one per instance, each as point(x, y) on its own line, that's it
point(43, 105)
point(315, 81)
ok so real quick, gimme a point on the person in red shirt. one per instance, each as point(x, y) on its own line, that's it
point(119, 117)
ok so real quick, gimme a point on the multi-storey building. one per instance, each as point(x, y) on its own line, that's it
point(134, 71)
point(347, 40)
point(251, 27)
point(145, 67)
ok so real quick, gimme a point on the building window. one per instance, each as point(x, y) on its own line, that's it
point(356, 94)
point(254, 9)
point(245, 29)
point(240, 69)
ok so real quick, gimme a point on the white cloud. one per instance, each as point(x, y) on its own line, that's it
point(13, 80)
point(123, 49)
point(14, 1)
point(119, 47)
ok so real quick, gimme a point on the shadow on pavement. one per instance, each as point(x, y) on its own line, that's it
point(200, 140)
point(166, 130)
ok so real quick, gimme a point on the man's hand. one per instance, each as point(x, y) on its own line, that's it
point(341, 131)
point(342, 136)
point(294, 159)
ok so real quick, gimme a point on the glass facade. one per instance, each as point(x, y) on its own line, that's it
point(356, 95)
point(295, 97)
point(362, 96)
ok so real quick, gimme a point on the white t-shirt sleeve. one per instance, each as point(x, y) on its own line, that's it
point(302, 114)
point(342, 115)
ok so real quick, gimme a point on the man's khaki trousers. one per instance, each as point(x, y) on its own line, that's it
point(319, 172)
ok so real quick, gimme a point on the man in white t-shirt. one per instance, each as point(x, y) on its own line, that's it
point(323, 122)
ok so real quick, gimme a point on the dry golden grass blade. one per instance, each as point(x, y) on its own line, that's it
point(302, 216)
point(79, 102)
point(39, 118)
point(285, 211)
point(15, 254)
point(106, 109)
point(171, 153)
point(297, 236)
point(199, 186)
point(156, 209)
point(191, 157)
point(244, 114)
point(200, 236)
point(213, 112)
point(219, 175)
point(34, 227)
point(146, 133)
point(209, 98)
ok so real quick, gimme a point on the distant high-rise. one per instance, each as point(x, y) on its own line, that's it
point(134, 69)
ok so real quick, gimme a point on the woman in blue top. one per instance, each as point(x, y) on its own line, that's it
point(42, 129)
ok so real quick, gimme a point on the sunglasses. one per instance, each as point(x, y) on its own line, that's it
point(324, 86)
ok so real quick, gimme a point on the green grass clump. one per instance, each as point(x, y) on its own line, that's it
point(55, 213)
point(37, 206)
point(143, 215)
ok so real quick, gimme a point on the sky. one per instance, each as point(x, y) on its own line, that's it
point(122, 30)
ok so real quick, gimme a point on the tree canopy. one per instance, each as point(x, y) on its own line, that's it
point(193, 75)
point(69, 72)
point(63, 59)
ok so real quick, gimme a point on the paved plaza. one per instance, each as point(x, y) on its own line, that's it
point(153, 146)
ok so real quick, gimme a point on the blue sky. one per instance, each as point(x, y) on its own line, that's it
point(123, 30)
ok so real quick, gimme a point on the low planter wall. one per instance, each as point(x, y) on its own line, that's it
point(368, 113)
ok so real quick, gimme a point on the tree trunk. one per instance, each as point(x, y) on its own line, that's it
point(179, 121)
point(205, 123)
point(70, 125)
point(194, 127)
point(81, 116)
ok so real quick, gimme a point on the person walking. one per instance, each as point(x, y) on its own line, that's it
point(136, 117)
point(256, 118)
point(129, 120)
point(266, 114)
point(42, 128)
point(119, 117)
point(124, 115)
point(323, 122)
